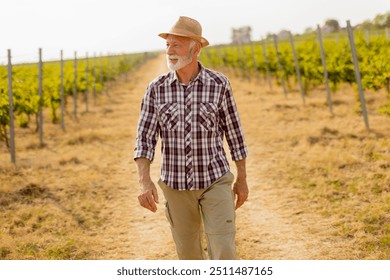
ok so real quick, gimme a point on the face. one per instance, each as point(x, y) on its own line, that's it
point(180, 52)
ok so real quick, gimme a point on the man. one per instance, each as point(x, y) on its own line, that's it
point(191, 108)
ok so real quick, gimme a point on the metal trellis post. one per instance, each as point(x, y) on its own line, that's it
point(357, 73)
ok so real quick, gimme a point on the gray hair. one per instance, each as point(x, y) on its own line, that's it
point(192, 44)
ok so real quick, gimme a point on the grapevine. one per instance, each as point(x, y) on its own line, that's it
point(25, 86)
point(373, 56)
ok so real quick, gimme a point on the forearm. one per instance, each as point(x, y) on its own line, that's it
point(240, 187)
point(149, 196)
point(143, 166)
point(241, 169)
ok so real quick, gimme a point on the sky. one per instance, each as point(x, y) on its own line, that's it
point(127, 26)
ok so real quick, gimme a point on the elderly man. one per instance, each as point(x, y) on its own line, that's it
point(192, 108)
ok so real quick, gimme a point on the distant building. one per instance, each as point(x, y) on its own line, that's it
point(327, 29)
point(284, 34)
point(241, 35)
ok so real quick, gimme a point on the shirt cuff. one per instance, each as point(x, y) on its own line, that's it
point(144, 153)
point(239, 154)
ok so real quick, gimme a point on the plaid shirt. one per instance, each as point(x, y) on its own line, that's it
point(191, 121)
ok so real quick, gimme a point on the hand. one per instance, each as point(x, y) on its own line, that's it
point(148, 197)
point(240, 189)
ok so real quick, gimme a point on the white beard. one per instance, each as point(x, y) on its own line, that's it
point(182, 61)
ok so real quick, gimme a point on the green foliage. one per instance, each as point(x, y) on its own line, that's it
point(373, 56)
point(375, 69)
point(4, 115)
point(309, 64)
point(338, 63)
point(25, 85)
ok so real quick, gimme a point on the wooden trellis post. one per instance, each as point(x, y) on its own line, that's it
point(11, 110)
point(62, 90)
point(280, 65)
point(323, 59)
point(40, 92)
point(297, 70)
point(75, 86)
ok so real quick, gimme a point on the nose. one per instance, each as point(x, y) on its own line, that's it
point(169, 50)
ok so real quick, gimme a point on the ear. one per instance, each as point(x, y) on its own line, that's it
point(197, 48)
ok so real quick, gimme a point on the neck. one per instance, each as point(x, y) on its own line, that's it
point(188, 73)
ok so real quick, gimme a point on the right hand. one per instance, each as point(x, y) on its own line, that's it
point(148, 197)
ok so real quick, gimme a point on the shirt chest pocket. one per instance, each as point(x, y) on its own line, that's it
point(169, 116)
point(208, 116)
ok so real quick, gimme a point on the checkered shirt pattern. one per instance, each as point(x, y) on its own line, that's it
point(191, 122)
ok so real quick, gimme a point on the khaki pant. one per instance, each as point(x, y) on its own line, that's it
point(215, 205)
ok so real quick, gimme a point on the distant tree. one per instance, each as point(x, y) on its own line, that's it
point(309, 30)
point(269, 35)
point(366, 25)
point(382, 21)
point(334, 24)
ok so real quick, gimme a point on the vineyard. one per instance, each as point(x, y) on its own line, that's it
point(302, 60)
point(274, 60)
point(57, 81)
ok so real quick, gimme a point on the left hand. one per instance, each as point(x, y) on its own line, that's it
point(241, 191)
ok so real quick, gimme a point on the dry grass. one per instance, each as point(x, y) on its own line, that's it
point(332, 175)
point(319, 184)
point(56, 200)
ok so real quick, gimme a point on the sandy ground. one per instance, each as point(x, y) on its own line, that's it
point(95, 156)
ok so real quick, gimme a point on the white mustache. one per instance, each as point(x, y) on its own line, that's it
point(173, 56)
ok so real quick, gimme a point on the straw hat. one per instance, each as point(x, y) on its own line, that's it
point(187, 27)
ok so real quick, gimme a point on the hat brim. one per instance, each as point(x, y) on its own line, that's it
point(203, 42)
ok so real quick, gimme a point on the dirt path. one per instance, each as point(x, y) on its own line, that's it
point(143, 235)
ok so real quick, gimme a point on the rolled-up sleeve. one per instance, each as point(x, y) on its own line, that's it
point(232, 126)
point(148, 127)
